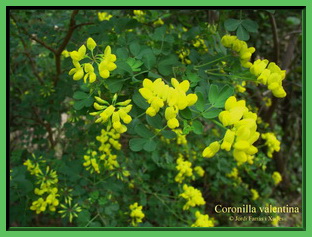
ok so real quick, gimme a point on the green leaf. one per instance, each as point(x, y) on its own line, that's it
point(88, 102)
point(114, 84)
point(231, 24)
point(250, 25)
point(155, 121)
point(79, 104)
point(224, 94)
point(83, 217)
point(271, 11)
point(143, 131)
point(186, 128)
point(200, 104)
point(169, 134)
point(135, 48)
point(123, 67)
point(139, 101)
point(79, 95)
point(134, 64)
point(292, 20)
point(165, 66)
point(149, 59)
point(136, 144)
point(242, 34)
point(193, 77)
point(186, 113)
point(212, 113)
point(213, 93)
point(159, 33)
point(150, 145)
point(122, 53)
point(197, 127)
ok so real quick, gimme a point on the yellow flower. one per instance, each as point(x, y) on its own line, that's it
point(202, 220)
point(104, 16)
point(158, 94)
point(107, 64)
point(272, 143)
point(228, 140)
point(193, 197)
point(158, 22)
point(78, 55)
point(276, 221)
point(233, 174)
point(65, 53)
point(89, 73)
point(136, 214)
point(199, 170)
point(184, 168)
point(211, 150)
point(255, 194)
point(91, 44)
point(91, 162)
point(276, 176)
point(77, 71)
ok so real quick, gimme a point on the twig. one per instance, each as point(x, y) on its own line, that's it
point(275, 38)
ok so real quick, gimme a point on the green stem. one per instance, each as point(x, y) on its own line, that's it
point(232, 76)
point(139, 115)
point(159, 131)
point(201, 113)
point(92, 220)
point(213, 61)
point(219, 124)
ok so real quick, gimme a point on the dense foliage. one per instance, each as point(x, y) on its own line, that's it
point(154, 117)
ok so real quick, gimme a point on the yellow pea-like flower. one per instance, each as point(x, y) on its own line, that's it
point(91, 44)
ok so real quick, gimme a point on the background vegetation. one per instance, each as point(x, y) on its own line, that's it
point(50, 122)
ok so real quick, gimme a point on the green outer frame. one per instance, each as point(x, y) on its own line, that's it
point(168, 231)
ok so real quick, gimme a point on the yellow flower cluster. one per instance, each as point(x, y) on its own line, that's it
point(136, 214)
point(183, 55)
point(254, 194)
point(157, 93)
point(199, 42)
point(33, 167)
point(272, 143)
point(267, 73)
point(277, 177)
point(47, 188)
point(91, 162)
point(240, 87)
point(104, 16)
point(139, 15)
point(184, 168)
point(275, 221)
point(239, 46)
point(202, 220)
point(243, 132)
point(193, 196)
point(181, 138)
point(233, 174)
point(271, 75)
point(120, 112)
point(199, 170)
point(86, 70)
point(158, 22)
point(109, 139)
